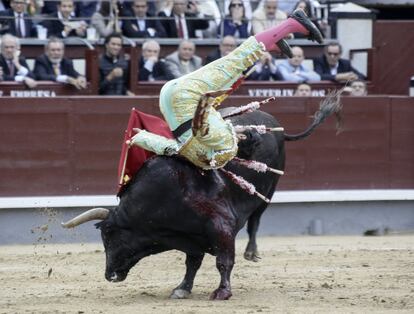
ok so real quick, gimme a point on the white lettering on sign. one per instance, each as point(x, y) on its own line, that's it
point(32, 93)
point(280, 92)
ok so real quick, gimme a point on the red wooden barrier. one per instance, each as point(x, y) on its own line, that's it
point(71, 145)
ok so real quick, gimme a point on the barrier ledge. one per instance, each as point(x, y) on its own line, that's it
point(308, 196)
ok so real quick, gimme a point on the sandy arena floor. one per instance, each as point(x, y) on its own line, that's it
point(295, 274)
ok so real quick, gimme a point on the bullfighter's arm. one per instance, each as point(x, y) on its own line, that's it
point(155, 143)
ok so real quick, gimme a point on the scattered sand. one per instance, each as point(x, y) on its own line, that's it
point(295, 274)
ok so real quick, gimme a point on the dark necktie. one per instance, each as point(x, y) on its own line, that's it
point(180, 28)
point(11, 68)
point(18, 26)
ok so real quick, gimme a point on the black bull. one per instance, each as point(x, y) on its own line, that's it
point(171, 204)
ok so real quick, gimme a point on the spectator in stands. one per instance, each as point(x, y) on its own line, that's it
point(183, 20)
point(293, 70)
point(49, 7)
point(63, 24)
point(266, 69)
point(14, 66)
point(235, 24)
point(16, 22)
point(357, 88)
point(303, 90)
point(53, 66)
point(85, 9)
point(227, 45)
point(332, 67)
point(184, 60)
point(266, 16)
point(141, 24)
point(211, 11)
point(113, 68)
point(104, 20)
point(247, 4)
point(151, 67)
point(286, 6)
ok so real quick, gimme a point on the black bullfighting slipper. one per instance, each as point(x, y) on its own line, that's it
point(285, 48)
point(302, 18)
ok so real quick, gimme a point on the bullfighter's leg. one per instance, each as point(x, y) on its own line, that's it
point(298, 22)
point(183, 290)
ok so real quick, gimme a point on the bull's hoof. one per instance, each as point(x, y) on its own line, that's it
point(251, 256)
point(221, 294)
point(180, 294)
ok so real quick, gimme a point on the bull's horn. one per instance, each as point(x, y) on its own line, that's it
point(92, 214)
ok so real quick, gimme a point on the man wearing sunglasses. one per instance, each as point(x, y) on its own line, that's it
point(332, 67)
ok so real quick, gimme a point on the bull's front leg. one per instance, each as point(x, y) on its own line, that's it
point(183, 290)
point(224, 264)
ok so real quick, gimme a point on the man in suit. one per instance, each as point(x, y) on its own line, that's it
point(293, 69)
point(13, 66)
point(151, 67)
point(140, 24)
point(333, 68)
point(183, 21)
point(16, 22)
point(266, 69)
point(184, 60)
point(227, 45)
point(61, 24)
point(53, 66)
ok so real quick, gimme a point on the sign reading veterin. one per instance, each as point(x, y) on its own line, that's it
point(280, 92)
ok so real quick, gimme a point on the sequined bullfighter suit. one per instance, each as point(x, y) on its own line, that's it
point(216, 144)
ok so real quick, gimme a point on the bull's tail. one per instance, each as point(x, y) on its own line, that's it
point(331, 104)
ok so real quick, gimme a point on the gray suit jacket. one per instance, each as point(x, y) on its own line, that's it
point(178, 69)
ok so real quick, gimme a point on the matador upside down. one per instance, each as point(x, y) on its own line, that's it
point(211, 141)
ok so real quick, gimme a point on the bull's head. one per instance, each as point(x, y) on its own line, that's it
point(123, 248)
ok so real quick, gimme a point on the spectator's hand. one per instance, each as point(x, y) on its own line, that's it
point(31, 83)
point(73, 81)
point(81, 30)
point(67, 29)
point(16, 59)
point(192, 7)
point(129, 93)
point(115, 10)
point(347, 76)
point(117, 72)
point(153, 59)
point(81, 82)
point(266, 58)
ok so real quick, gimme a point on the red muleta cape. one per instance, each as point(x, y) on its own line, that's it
point(133, 157)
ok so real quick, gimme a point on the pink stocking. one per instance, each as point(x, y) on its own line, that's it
point(271, 36)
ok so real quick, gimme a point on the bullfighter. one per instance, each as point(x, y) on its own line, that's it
point(188, 103)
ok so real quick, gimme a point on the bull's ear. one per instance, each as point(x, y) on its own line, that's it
point(98, 225)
